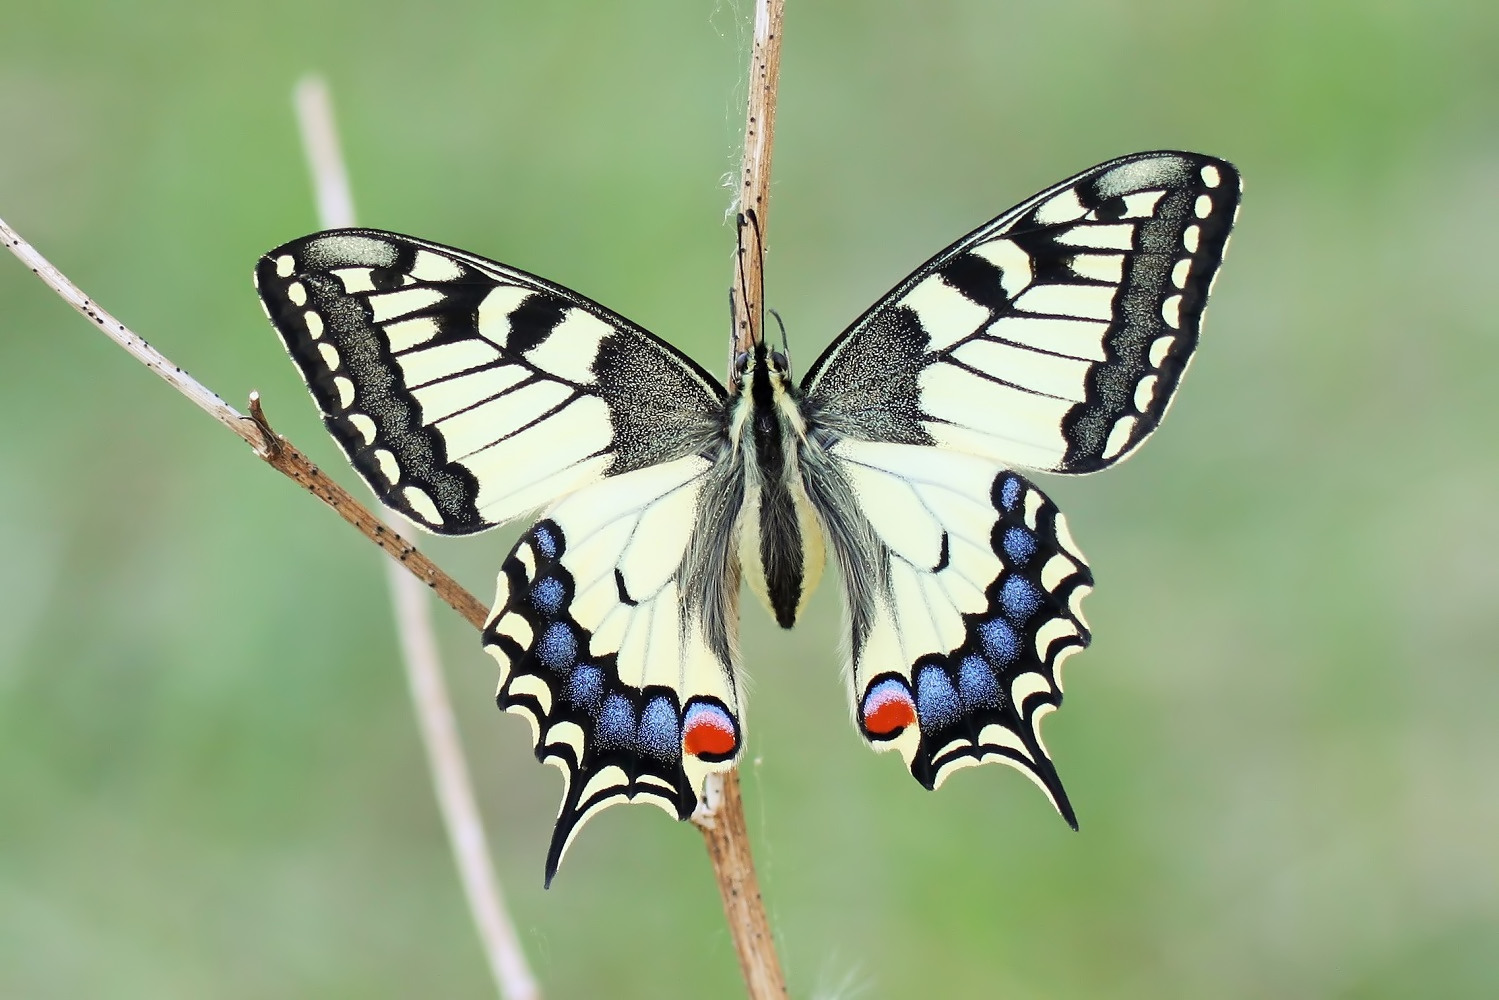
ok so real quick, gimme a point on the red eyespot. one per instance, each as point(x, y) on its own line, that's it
point(708, 732)
point(888, 708)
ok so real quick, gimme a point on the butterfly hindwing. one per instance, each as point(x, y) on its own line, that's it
point(964, 590)
point(1051, 338)
point(466, 392)
point(614, 631)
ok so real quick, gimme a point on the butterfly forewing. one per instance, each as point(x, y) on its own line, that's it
point(1052, 338)
point(466, 392)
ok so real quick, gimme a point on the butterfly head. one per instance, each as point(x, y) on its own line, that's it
point(775, 364)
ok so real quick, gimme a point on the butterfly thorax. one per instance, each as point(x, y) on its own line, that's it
point(780, 542)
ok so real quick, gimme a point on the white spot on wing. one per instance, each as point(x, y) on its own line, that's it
point(314, 324)
point(408, 333)
point(1210, 176)
point(363, 424)
point(1057, 569)
point(1028, 685)
point(1099, 266)
point(1061, 207)
point(390, 305)
point(285, 266)
point(1117, 236)
point(297, 293)
point(1190, 238)
point(1119, 437)
point(529, 685)
point(1159, 348)
point(354, 279)
point(568, 352)
point(1033, 501)
point(1050, 632)
point(1141, 204)
point(1204, 206)
point(430, 266)
point(495, 310)
point(945, 313)
point(418, 500)
point(389, 467)
point(345, 388)
point(1145, 393)
point(1181, 271)
point(1076, 301)
point(1171, 311)
point(329, 354)
point(1014, 264)
point(1073, 337)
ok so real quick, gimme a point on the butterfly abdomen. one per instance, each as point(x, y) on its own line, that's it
point(781, 547)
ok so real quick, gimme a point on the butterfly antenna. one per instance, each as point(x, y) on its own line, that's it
point(733, 338)
point(785, 344)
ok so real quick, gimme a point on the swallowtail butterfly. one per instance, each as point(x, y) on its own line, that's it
point(468, 393)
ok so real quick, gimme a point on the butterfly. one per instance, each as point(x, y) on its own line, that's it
point(468, 393)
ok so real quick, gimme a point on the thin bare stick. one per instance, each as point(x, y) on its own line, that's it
point(753, 195)
point(143, 352)
point(325, 158)
point(413, 616)
point(721, 815)
point(255, 431)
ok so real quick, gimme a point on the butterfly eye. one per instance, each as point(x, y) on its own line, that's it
point(779, 360)
point(741, 362)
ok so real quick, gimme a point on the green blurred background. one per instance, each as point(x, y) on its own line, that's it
point(1282, 746)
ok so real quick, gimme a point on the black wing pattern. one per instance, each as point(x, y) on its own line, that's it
point(614, 628)
point(466, 392)
point(964, 590)
point(1051, 338)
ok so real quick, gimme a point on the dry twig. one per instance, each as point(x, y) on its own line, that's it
point(721, 816)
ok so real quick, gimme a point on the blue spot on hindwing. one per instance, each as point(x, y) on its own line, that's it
point(1020, 598)
point(557, 648)
point(585, 688)
point(936, 702)
point(615, 728)
point(1009, 492)
point(547, 595)
point(998, 642)
point(977, 685)
point(1019, 545)
point(544, 537)
point(659, 734)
